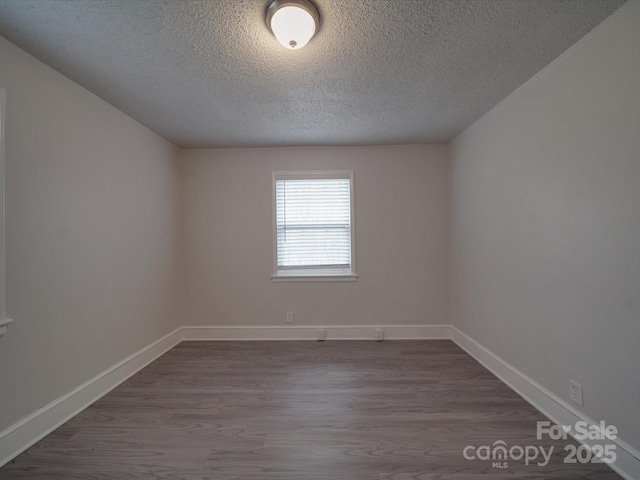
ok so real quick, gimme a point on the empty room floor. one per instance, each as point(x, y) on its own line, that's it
point(356, 410)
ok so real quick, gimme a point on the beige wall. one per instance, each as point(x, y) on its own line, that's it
point(91, 199)
point(545, 216)
point(543, 206)
point(401, 238)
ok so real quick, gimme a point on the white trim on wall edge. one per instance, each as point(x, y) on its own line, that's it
point(34, 427)
point(23, 434)
point(331, 332)
point(627, 464)
point(26, 432)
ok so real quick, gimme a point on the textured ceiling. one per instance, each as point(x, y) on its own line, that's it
point(207, 73)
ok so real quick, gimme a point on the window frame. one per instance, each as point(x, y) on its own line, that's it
point(319, 274)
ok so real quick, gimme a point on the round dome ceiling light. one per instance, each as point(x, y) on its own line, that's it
point(293, 22)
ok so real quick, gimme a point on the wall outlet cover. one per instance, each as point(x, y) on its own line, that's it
point(575, 392)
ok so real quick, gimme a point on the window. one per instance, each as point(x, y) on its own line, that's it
point(313, 226)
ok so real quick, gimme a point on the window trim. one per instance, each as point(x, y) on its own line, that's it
point(309, 275)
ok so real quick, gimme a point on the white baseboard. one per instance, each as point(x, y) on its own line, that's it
point(332, 332)
point(560, 412)
point(26, 432)
point(23, 434)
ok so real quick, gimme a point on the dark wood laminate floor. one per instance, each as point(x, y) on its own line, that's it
point(361, 410)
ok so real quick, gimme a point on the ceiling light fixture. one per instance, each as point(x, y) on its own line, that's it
point(293, 22)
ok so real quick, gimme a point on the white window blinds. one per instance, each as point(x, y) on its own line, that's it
point(313, 223)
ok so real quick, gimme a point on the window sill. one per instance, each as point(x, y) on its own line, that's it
point(352, 277)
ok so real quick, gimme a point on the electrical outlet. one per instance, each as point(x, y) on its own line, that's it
point(575, 392)
point(289, 317)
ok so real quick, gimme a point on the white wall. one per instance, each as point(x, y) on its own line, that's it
point(401, 238)
point(91, 211)
point(544, 217)
point(545, 214)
